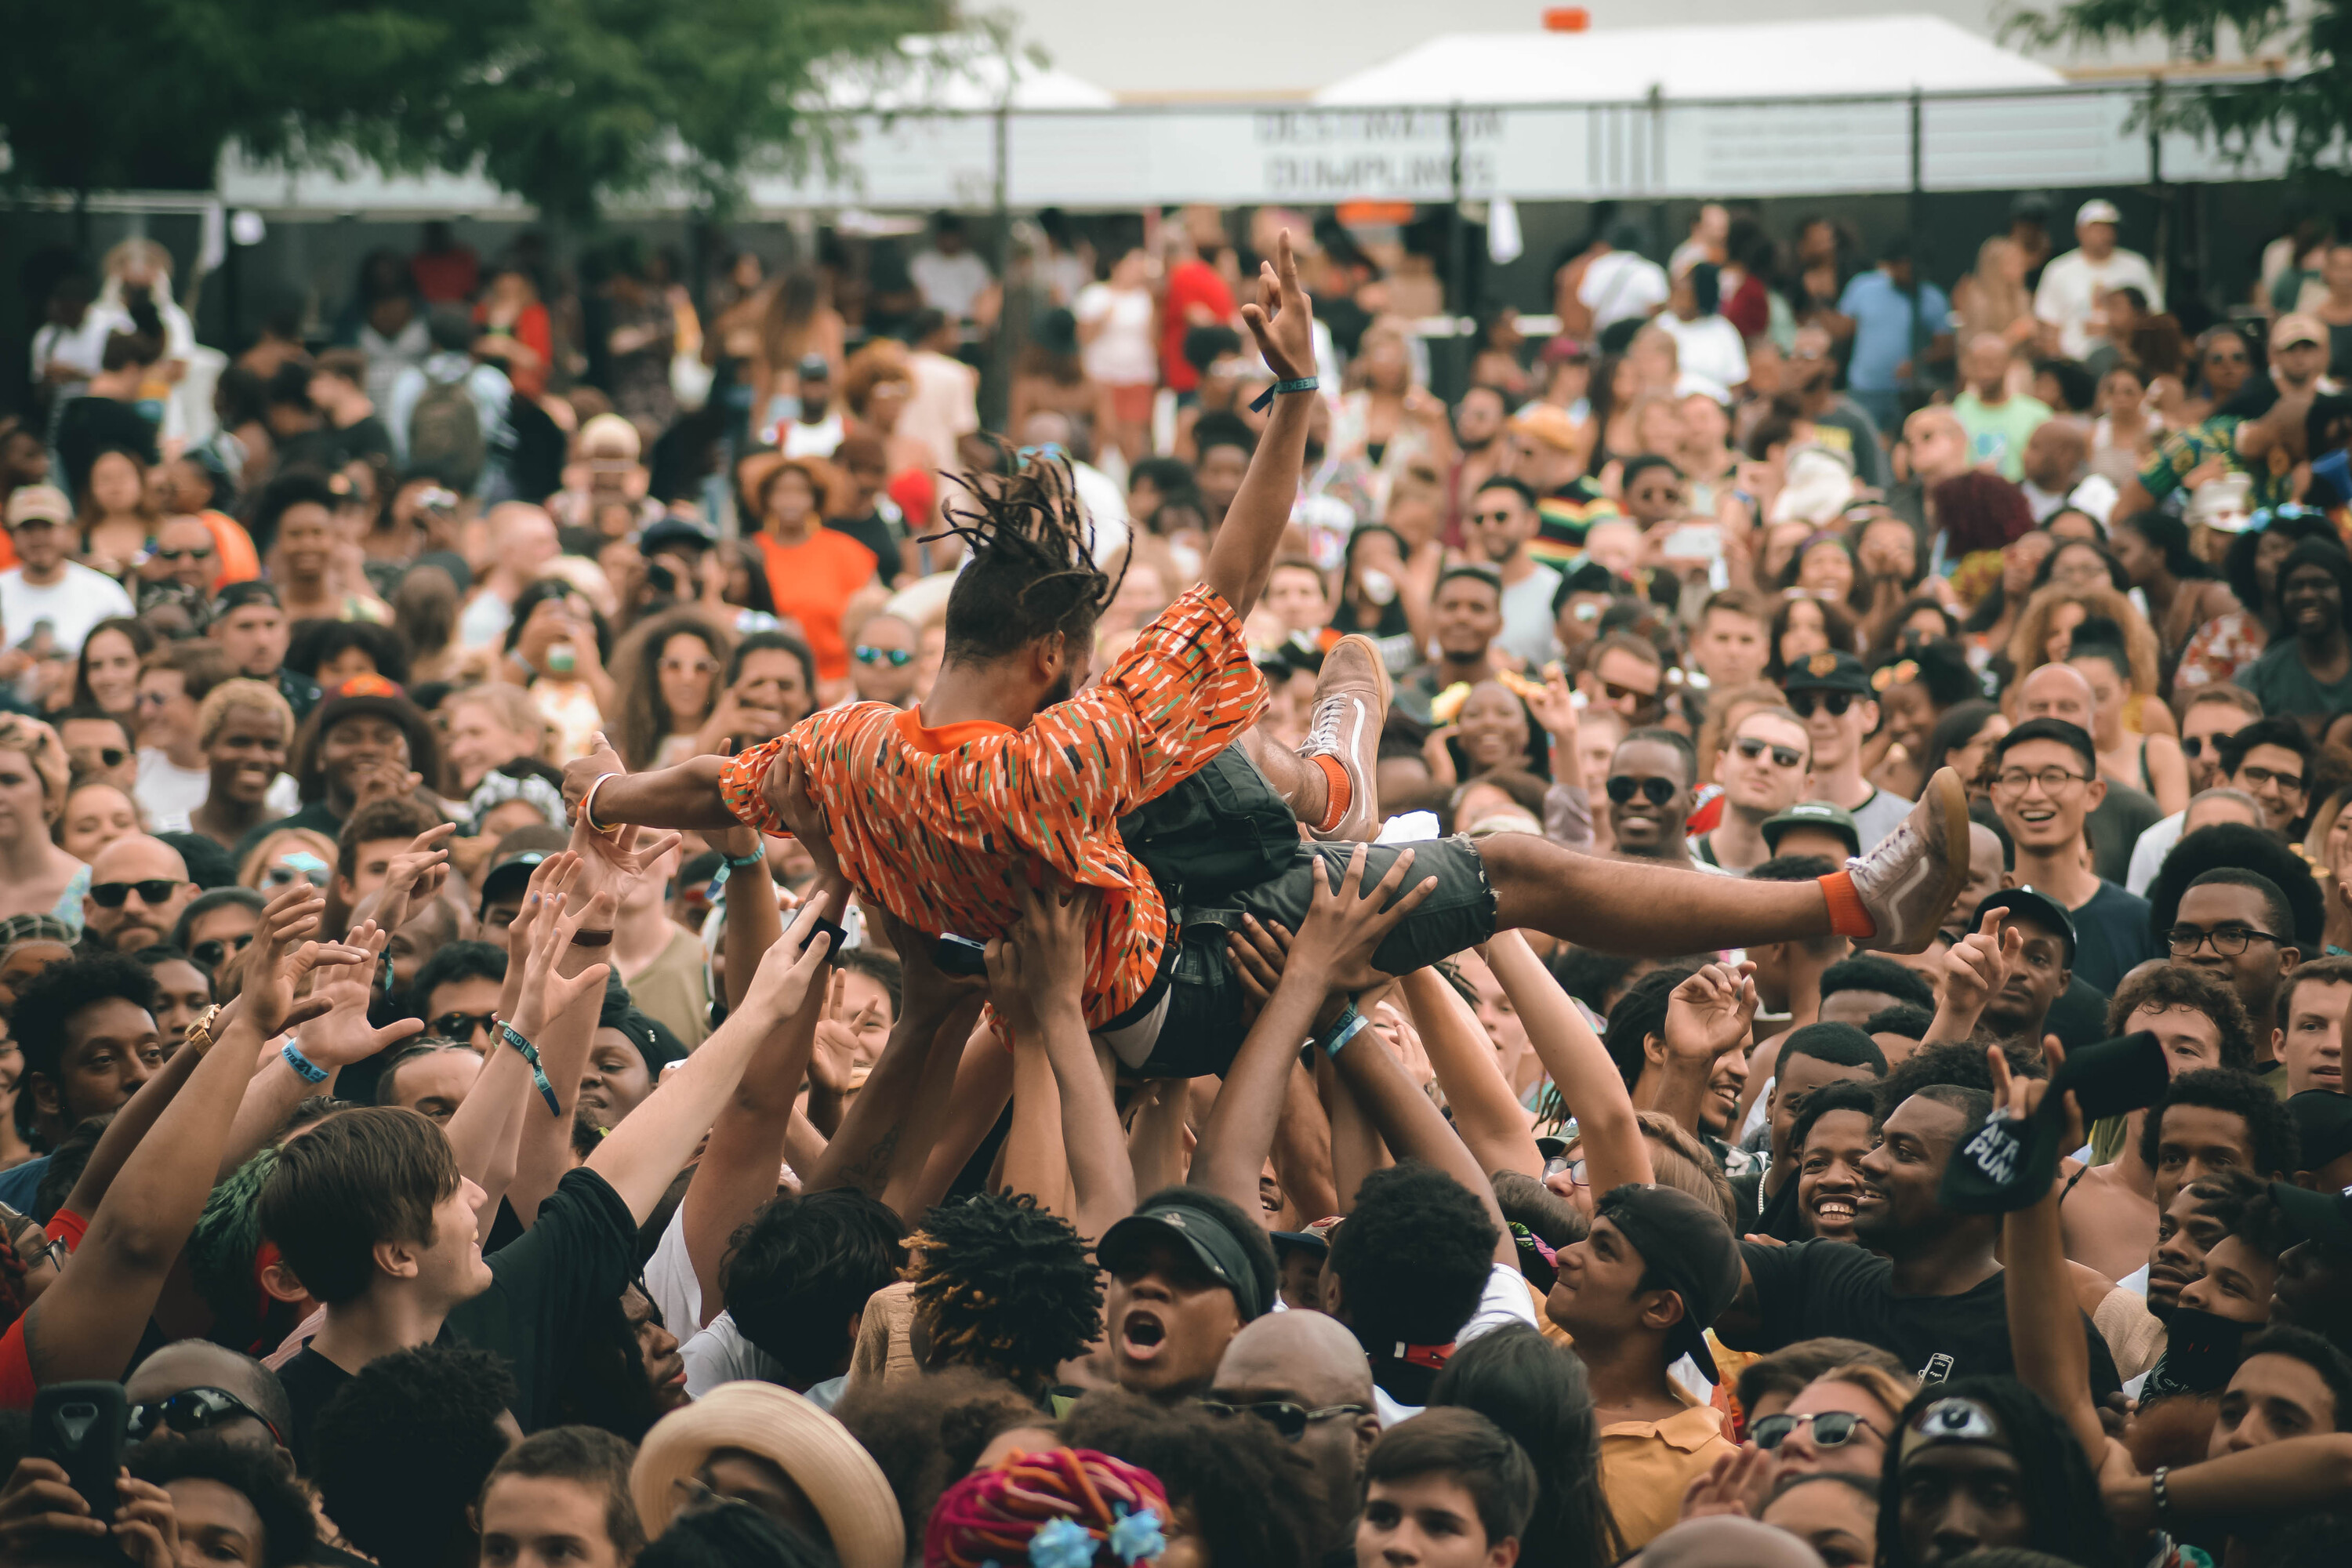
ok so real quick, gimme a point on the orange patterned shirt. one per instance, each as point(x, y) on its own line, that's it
point(928, 822)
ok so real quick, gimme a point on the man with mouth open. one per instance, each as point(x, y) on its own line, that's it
point(1187, 1269)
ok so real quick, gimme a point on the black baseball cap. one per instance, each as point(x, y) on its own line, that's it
point(1315, 1238)
point(1832, 669)
point(1208, 1237)
point(673, 533)
point(1821, 814)
point(518, 853)
point(2322, 1217)
point(2323, 1122)
point(2040, 907)
point(1686, 1244)
point(237, 596)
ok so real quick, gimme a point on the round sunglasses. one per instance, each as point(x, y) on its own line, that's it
point(896, 658)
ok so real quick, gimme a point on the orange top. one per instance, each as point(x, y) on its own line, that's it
point(965, 800)
point(812, 582)
point(232, 549)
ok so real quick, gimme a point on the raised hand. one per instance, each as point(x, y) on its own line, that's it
point(270, 980)
point(416, 875)
point(1282, 319)
point(2021, 1096)
point(582, 772)
point(1555, 708)
point(1737, 1483)
point(1975, 969)
point(833, 1062)
point(1258, 952)
point(1711, 1012)
point(787, 969)
point(546, 992)
point(552, 876)
point(921, 979)
point(345, 983)
point(1343, 927)
point(39, 1500)
point(386, 781)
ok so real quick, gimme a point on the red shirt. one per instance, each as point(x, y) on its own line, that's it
point(1194, 282)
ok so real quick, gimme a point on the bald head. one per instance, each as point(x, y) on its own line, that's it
point(2056, 692)
point(138, 886)
point(136, 855)
point(1727, 1541)
point(522, 537)
point(1310, 1357)
point(199, 1363)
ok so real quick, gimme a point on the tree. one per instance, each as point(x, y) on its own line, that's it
point(2308, 111)
point(563, 102)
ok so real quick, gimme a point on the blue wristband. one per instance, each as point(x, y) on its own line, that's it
point(1264, 400)
point(1345, 1028)
point(530, 1053)
point(308, 1070)
point(734, 863)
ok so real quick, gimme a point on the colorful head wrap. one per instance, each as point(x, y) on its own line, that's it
point(1072, 1507)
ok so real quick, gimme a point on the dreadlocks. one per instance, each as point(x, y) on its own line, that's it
point(1005, 1286)
point(1031, 572)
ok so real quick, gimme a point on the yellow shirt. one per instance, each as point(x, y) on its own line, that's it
point(1645, 1467)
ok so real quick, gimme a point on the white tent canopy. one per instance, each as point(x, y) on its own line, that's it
point(1822, 57)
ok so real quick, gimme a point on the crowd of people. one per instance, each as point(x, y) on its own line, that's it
point(1731, 950)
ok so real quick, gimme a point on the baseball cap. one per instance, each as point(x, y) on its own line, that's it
point(673, 533)
point(1685, 1243)
point(813, 367)
point(2323, 1119)
point(1813, 814)
point(237, 596)
point(1315, 1238)
point(2293, 328)
point(513, 860)
point(1550, 424)
point(2322, 1217)
point(1200, 1230)
point(43, 502)
point(2038, 907)
point(2098, 209)
point(1831, 670)
point(610, 439)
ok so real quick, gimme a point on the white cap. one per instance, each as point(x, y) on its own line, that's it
point(2098, 209)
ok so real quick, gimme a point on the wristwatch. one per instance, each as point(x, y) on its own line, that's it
point(199, 1032)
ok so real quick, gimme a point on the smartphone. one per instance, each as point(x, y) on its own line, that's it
point(85, 1428)
point(959, 955)
point(1695, 542)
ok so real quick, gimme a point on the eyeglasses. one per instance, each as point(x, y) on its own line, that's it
point(2229, 942)
point(1656, 791)
point(896, 658)
point(213, 952)
point(1290, 1420)
point(1803, 703)
point(463, 1026)
point(690, 667)
point(2053, 780)
point(194, 1410)
point(151, 890)
point(1561, 1164)
point(193, 553)
point(1832, 1428)
point(2258, 776)
point(1782, 756)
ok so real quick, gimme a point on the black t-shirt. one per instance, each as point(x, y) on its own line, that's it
point(2111, 938)
point(1811, 1288)
point(550, 1288)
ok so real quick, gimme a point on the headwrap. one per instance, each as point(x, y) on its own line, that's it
point(499, 786)
point(1978, 510)
point(1071, 1507)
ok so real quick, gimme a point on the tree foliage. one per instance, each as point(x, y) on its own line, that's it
point(563, 102)
point(2306, 109)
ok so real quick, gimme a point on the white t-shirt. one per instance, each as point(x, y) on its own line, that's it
point(2148, 853)
point(2071, 286)
point(484, 621)
point(167, 790)
point(949, 284)
point(1527, 616)
point(1622, 285)
point(1708, 348)
point(821, 439)
point(1122, 353)
point(72, 604)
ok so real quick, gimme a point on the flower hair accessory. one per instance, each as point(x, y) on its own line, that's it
point(1070, 1507)
point(1888, 675)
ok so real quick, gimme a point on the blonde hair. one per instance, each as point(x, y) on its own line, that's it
point(258, 859)
point(512, 705)
point(1681, 1161)
point(2028, 649)
point(1892, 1392)
point(255, 696)
point(45, 752)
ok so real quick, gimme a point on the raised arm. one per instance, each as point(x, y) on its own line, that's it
point(557, 1017)
point(488, 1125)
point(1284, 324)
point(1589, 1085)
point(1974, 972)
point(1706, 1015)
point(2046, 1325)
point(1414, 1129)
point(1487, 1113)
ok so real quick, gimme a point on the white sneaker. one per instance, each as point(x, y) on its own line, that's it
point(1911, 879)
point(1351, 704)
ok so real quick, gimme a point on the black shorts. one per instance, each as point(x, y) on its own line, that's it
point(1203, 1028)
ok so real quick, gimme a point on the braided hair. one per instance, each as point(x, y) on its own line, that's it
point(1107, 1510)
point(1031, 573)
point(1005, 1286)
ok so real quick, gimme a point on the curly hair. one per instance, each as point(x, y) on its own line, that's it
point(1005, 1286)
point(645, 719)
point(2275, 1142)
point(2173, 985)
point(401, 1451)
point(927, 1432)
point(2028, 646)
point(49, 1001)
point(1959, 1064)
point(1413, 1257)
point(290, 1532)
point(2244, 851)
point(1252, 1496)
point(1031, 572)
point(801, 1268)
point(995, 1514)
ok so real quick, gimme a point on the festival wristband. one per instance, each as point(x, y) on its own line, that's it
point(588, 807)
point(530, 1053)
point(1264, 400)
point(732, 864)
point(304, 1067)
point(1345, 1028)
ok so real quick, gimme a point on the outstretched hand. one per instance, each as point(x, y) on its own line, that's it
point(785, 788)
point(1344, 927)
point(416, 875)
point(1041, 960)
point(1712, 1012)
point(342, 1036)
point(547, 993)
point(789, 968)
point(1282, 319)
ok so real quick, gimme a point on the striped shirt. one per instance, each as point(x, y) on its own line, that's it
point(929, 823)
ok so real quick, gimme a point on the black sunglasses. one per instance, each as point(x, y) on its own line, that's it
point(1658, 791)
point(152, 890)
point(1782, 756)
point(1290, 1420)
point(213, 952)
point(194, 1410)
point(1803, 703)
point(1832, 1428)
point(193, 553)
point(462, 1026)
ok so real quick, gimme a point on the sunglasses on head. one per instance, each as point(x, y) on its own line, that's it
point(151, 890)
point(463, 1026)
point(1803, 703)
point(896, 658)
point(1656, 791)
point(1782, 756)
point(194, 1410)
point(1289, 1420)
point(213, 952)
point(1832, 1428)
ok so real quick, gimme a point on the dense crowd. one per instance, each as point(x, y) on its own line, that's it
point(1734, 949)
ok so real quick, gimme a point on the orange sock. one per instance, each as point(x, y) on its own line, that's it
point(1337, 793)
point(1847, 917)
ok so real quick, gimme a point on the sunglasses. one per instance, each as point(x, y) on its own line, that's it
point(896, 658)
point(463, 1026)
point(1656, 791)
point(1803, 703)
point(151, 890)
point(194, 1410)
point(1832, 1428)
point(109, 756)
point(1290, 1420)
point(1782, 756)
point(193, 553)
point(1616, 693)
point(213, 952)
